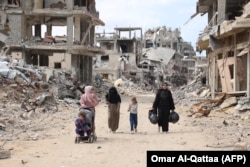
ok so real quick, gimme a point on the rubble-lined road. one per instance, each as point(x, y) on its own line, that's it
point(51, 143)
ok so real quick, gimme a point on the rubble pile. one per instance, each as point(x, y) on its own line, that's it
point(192, 92)
point(29, 95)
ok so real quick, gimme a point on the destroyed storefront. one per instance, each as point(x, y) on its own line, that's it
point(30, 31)
point(226, 41)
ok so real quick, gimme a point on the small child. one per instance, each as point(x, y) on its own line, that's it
point(133, 115)
point(81, 126)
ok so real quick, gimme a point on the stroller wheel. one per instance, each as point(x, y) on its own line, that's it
point(77, 140)
point(95, 138)
point(91, 139)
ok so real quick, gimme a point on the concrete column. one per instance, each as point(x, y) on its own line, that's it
point(77, 29)
point(92, 35)
point(221, 11)
point(248, 71)
point(213, 76)
point(49, 29)
point(214, 21)
point(89, 74)
point(29, 30)
point(70, 35)
point(3, 18)
point(70, 4)
point(83, 69)
point(210, 14)
point(248, 75)
point(235, 81)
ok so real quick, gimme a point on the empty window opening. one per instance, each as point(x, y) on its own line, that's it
point(230, 54)
point(105, 58)
point(231, 70)
point(57, 65)
point(105, 76)
point(14, 2)
point(220, 56)
point(80, 2)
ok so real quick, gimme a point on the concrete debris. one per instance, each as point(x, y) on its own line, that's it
point(29, 95)
point(206, 106)
point(243, 104)
point(231, 101)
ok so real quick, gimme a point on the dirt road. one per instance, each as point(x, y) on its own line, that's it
point(56, 147)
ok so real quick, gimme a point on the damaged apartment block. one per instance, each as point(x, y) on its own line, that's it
point(29, 31)
point(226, 41)
point(122, 53)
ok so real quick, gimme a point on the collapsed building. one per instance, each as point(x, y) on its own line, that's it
point(158, 55)
point(173, 57)
point(226, 42)
point(26, 33)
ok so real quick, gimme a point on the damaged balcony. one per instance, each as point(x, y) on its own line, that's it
point(226, 41)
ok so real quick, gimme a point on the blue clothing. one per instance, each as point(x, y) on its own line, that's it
point(81, 126)
point(133, 121)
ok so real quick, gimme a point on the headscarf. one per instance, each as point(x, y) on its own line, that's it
point(113, 96)
point(89, 99)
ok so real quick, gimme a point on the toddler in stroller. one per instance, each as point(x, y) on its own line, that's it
point(84, 126)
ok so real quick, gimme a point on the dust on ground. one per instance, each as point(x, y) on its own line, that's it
point(50, 143)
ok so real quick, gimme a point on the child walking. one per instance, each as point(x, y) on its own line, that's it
point(133, 118)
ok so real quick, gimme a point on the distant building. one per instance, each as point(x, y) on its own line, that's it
point(173, 56)
point(150, 58)
point(123, 49)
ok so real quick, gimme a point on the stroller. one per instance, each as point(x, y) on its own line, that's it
point(89, 125)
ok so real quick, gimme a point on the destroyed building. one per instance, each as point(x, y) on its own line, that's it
point(172, 56)
point(122, 53)
point(159, 55)
point(226, 42)
point(26, 33)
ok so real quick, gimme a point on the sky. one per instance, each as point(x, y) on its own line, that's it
point(150, 14)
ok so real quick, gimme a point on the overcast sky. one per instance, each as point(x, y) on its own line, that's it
point(151, 13)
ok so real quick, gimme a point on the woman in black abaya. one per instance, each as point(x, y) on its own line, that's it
point(163, 103)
